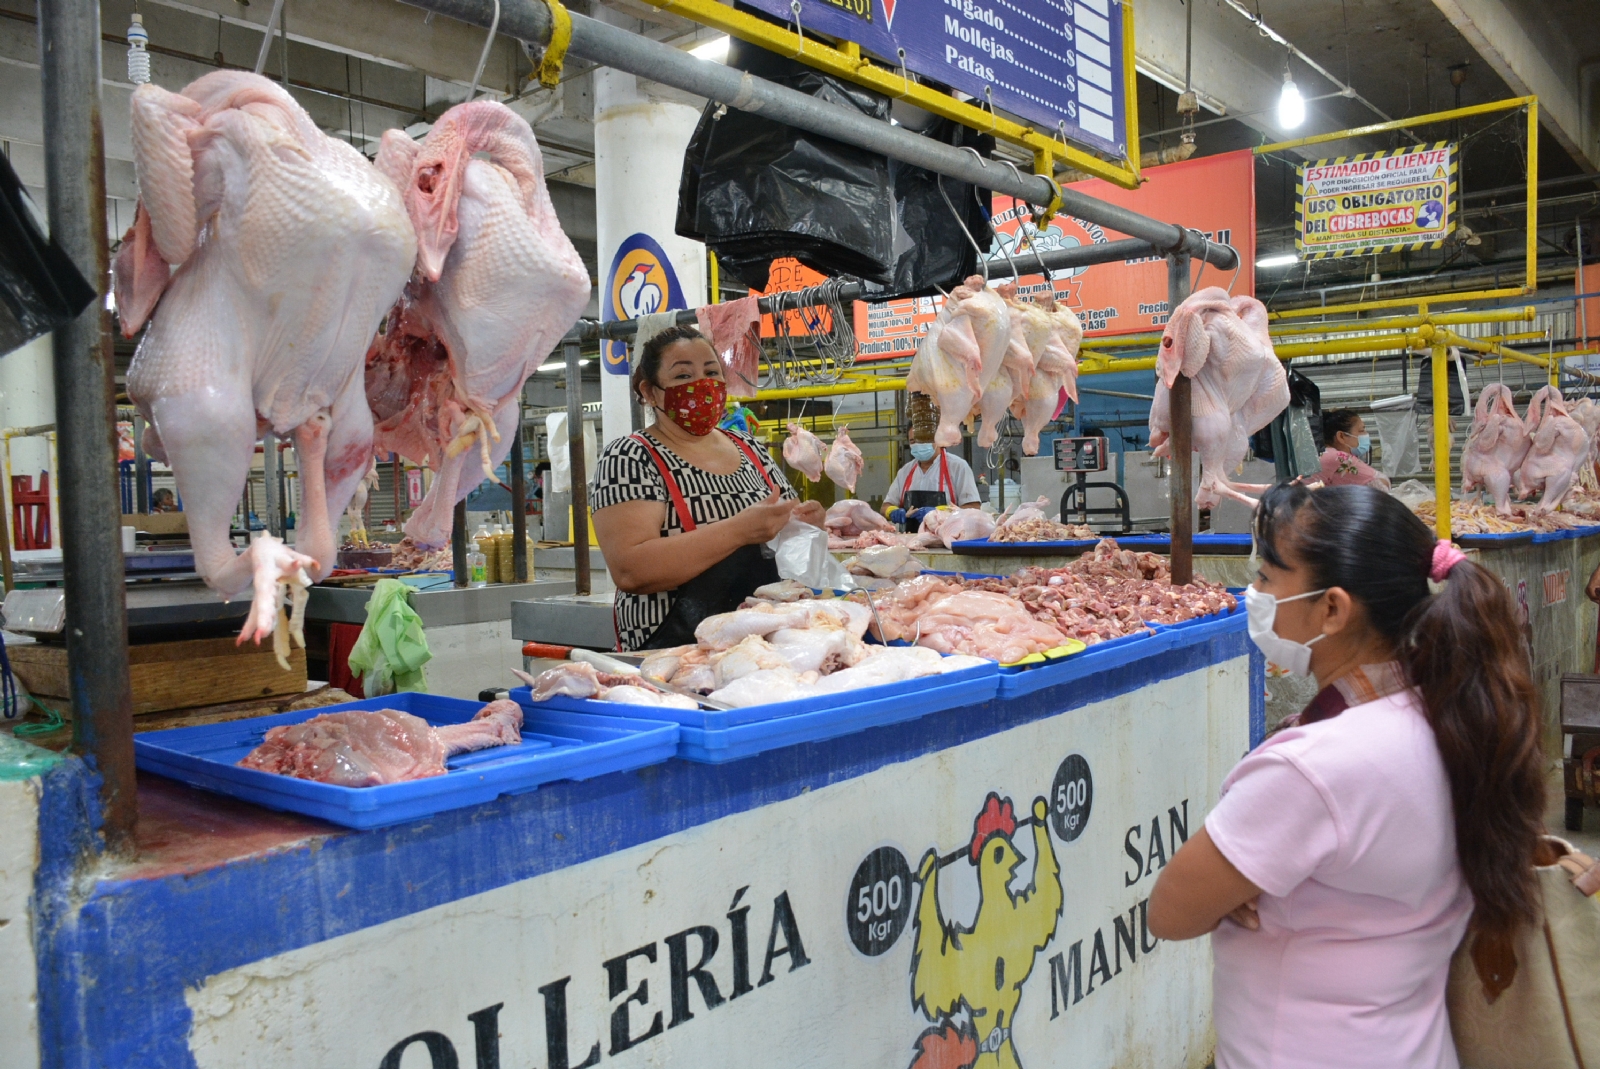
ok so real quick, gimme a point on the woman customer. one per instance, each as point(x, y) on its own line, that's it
point(1350, 850)
point(1347, 461)
point(682, 509)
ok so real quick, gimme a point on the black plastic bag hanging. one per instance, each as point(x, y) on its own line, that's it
point(40, 288)
point(755, 190)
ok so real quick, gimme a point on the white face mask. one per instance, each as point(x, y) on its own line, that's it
point(1261, 610)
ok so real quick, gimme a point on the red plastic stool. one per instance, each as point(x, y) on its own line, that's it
point(30, 511)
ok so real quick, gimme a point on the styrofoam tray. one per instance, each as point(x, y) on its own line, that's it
point(556, 745)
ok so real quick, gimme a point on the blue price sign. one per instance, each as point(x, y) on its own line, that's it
point(1057, 63)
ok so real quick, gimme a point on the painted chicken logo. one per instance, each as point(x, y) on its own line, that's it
point(968, 980)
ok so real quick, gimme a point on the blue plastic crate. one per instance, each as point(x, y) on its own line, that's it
point(981, 546)
point(1118, 652)
point(1097, 658)
point(555, 745)
point(715, 735)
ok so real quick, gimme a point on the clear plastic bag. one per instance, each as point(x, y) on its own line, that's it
point(801, 551)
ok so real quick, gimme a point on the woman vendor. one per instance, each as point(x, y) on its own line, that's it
point(1347, 459)
point(933, 476)
point(682, 510)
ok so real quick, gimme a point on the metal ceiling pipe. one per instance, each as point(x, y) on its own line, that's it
point(612, 46)
point(1025, 263)
point(90, 530)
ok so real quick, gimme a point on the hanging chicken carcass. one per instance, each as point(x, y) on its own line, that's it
point(844, 462)
point(497, 284)
point(1239, 386)
point(804, 452)
point(1557, 444)
point(289, 247)
point(963, 349)
point(1055, 376)
point(1496, 446)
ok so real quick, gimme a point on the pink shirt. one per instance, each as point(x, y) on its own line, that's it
point(1346, 469)
point(1346, 826)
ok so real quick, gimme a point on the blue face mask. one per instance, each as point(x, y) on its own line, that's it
point(923, 451)
point(1364, 446)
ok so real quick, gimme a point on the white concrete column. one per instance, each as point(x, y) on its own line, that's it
point(644, 266)
point(28, 399)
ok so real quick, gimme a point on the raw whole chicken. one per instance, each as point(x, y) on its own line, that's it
point(803, 452)
point(1587, 413)
point(1055, 375)
point(1496, 446)
point(371, 747)
point(985, 624)
point(497, 285)
point(579, 679)
point(852, 517)
point(1028, 331)
point(963, 349)
point(752, 654)
point(958, 525)
point(725, 630)
point(289, 247)
point(1239, 385)
point(844, 461)
point(1557, 443)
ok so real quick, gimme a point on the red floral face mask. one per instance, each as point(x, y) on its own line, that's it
point(696, 406)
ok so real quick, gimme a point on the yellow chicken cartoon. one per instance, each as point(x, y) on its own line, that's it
point(983, 967)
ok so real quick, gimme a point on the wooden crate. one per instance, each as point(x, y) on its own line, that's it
point(174, 675)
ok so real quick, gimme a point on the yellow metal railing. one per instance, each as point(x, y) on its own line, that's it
point(846, 61)
point(1531, 253)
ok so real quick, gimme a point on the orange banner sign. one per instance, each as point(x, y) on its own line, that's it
point(1214, 195)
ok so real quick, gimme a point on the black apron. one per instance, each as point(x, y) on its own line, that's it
point(721, 587)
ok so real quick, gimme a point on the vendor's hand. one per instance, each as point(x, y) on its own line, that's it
point(811, 512)
point(1593, 587)
point(761, 523)
point(1247, 915)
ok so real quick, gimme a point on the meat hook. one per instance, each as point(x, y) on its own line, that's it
point(938, 181)
point(483, 57)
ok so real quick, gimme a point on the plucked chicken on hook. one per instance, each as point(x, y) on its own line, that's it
point(496, 286)
point(288, 246)
point(1240, 386)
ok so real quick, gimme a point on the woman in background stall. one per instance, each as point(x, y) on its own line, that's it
point(1347, 459)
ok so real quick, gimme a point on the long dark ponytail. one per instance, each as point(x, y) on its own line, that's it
point(1464, 652)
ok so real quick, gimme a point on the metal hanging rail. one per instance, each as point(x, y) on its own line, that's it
point(1220, 256)
point(529, 21)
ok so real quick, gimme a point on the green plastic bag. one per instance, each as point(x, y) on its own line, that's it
point(391, 649)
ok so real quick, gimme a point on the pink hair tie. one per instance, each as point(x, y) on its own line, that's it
point(1445, 557)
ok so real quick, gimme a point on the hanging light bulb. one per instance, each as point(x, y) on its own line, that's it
point(1291, 105)
point(138, 58)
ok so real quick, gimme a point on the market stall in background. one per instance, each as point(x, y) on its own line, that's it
point(315, 682)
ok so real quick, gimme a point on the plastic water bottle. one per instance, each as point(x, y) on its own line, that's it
point(477, 568)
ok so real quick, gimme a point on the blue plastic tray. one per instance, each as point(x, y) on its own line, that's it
point(1104, 656)
point(715, 735)
point(982, 546)
point(555, 745)
point(1562, 536)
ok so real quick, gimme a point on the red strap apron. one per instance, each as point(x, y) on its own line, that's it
point(676, 493)
point(945, 485)
point(685, 519)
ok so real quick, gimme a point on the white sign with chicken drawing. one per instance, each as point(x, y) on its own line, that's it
point(979, 906)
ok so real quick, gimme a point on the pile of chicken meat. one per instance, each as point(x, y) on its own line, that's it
point(1103, 595)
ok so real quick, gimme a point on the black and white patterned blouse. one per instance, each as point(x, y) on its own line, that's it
point(626, 472)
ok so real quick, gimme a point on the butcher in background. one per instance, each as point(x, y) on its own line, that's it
point(1347, 459)
point(932, 477)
